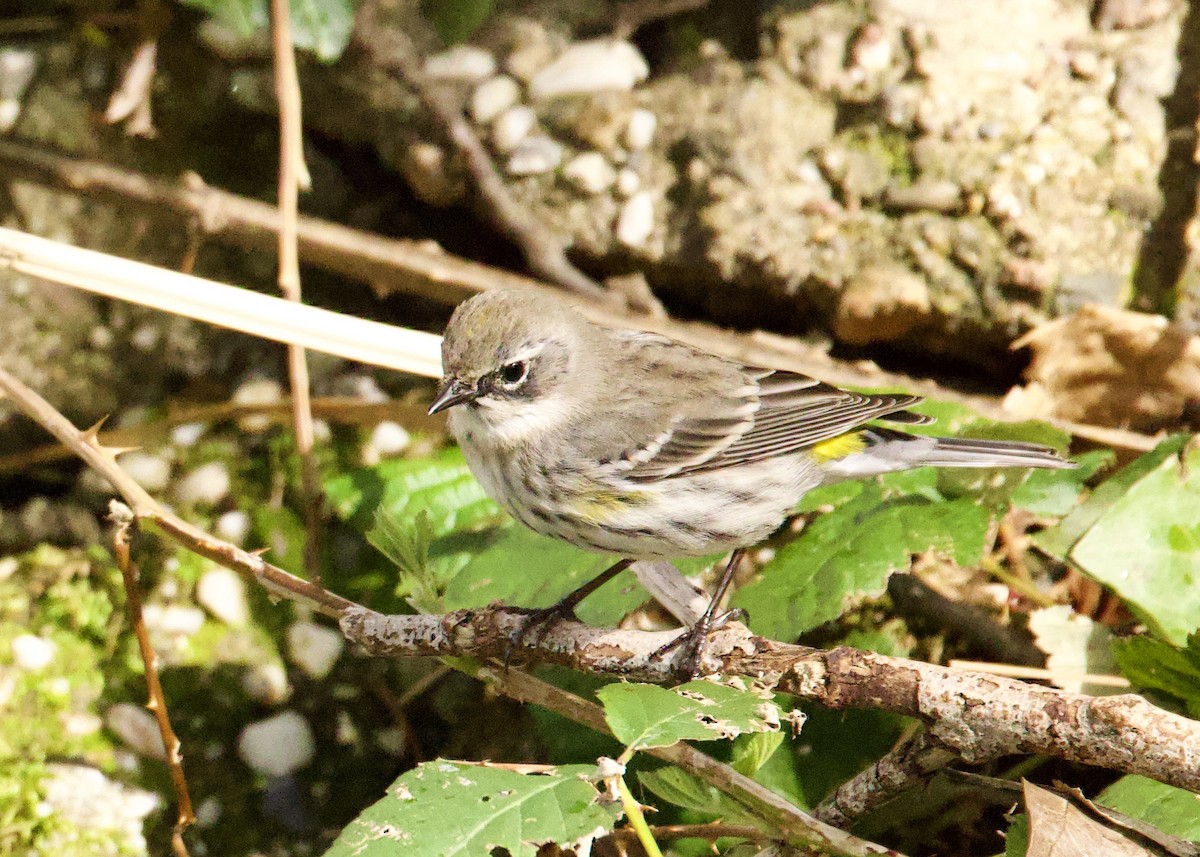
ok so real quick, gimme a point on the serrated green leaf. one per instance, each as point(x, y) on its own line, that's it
point(442, 486)
point(1058, 541)
point(1055, 492)
point(751, 752)
point(1159, 666)
point(1146, 546)
point(447, 809)
point(646, 715)
point(683, 790)
point(521, 568)
point(850, 553)
point(1171, 810)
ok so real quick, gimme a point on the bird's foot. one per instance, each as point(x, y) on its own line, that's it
point(693, 641)
point(538, 623)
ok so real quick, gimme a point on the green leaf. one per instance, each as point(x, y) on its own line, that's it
point(684, 790)
point(521, 568)
point(1016, 839)
point(1146, 546)
point(1058, 541)
point(1171, 810)
point(1159, 666)
point(1055, 492)
point(849, 554)
point(456, 20)
point(751, 752)
point(441, 486)
point(320, 26)
point(445, 809)
point(645, 715)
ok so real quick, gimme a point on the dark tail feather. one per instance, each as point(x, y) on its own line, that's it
point(971, 452)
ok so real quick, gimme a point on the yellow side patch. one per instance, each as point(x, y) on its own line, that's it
point(600, 507)
point(839, 447)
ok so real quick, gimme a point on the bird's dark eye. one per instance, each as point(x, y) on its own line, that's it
point(513, 373)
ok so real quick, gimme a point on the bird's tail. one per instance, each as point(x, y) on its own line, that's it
point(889, 450)
point(972, 452)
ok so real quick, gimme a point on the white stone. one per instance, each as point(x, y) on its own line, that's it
point(639, 133)
point(534, 156)
point(137, 729)
point(278, 745)
point(493, 97)
point(590, 172)
point(207, 484)
point(8, 567)
point(257, 392)
point(151, 471)
point(266, 683)
point(32, 653)
point(636, 220)
point(208, 812)
point(387, 439)
point(511, 127)
point(593, 66)
point(89, 801)
point(314, 648)
point(175, 620)
point(187, 434)
point(233, 526)
point(223, 593)
point(628, 182)
point(461, 62)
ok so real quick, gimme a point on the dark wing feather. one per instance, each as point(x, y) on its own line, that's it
point(776, 413)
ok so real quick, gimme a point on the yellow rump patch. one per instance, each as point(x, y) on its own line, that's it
point(839, 447)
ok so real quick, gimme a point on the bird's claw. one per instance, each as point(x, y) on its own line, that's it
point(694, 640)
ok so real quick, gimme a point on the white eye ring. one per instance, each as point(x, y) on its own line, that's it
point(513, 374)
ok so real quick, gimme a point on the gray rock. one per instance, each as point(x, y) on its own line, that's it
point(511, 127)
point(590, 172)
point(461, 62)
point(493, 97)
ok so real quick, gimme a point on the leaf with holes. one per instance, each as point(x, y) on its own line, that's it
point(849, 554)
point(645, 715)
point(451, 809)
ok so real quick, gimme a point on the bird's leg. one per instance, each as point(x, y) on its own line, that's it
point(694, 638)
point(545, 618)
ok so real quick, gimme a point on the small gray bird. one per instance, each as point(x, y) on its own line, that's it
point(634, 444)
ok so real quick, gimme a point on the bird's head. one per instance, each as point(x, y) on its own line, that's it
point(506, 359)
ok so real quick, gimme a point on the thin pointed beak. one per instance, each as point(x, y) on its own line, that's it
point(452, 392)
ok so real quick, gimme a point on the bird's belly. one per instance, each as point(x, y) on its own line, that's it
point(679, 516)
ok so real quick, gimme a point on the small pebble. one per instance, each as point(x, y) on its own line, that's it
point(593, 66)
point(511, 127)
point(152, 472)
point(137, 729)
point(425, 168)
point(257, 392)
point(493, 97)
point(461, 62)
point(208, 484)
point(590, 172)
point(387, 439)
point(223, 593)
point(31, 653)
point(314, 648)
point(628, 182)
point(266, 684)
point(233, 526)
point(636, 220)
point(8, 567)
point(208, 812)
point(1085, 65)
point(175, 620)
point(639, 134)
point(278, 745)
point(535, 155)
point(187, 434)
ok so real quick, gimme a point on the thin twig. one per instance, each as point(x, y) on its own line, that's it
point(156, 702)
point(293, 174)
point(542, 250)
